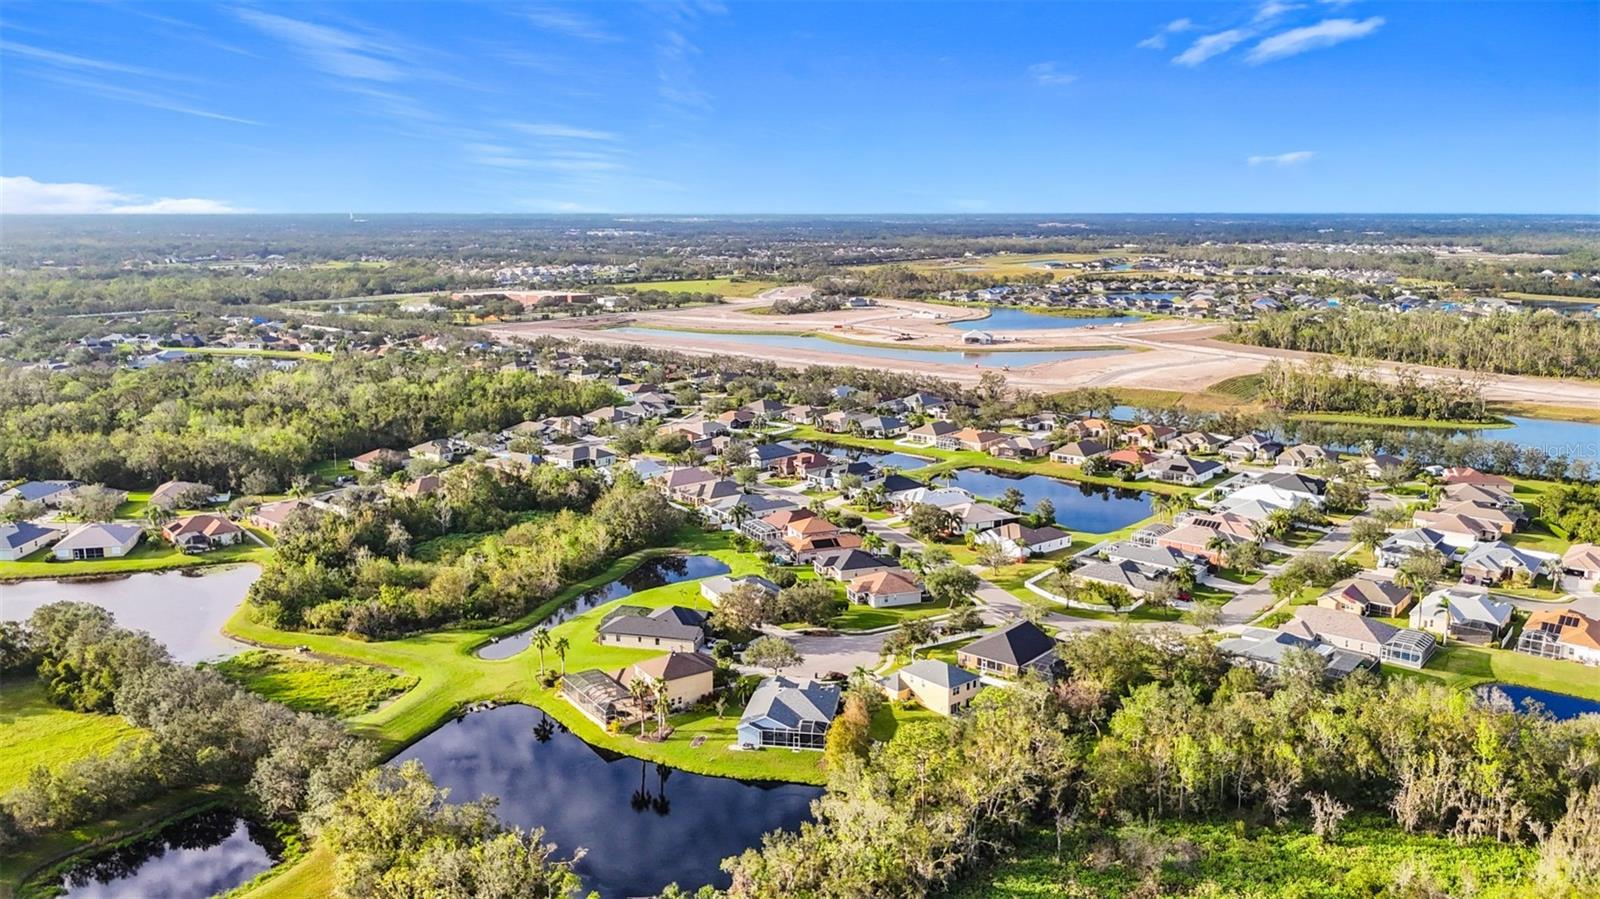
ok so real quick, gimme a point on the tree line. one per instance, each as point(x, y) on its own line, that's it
point(223, 425)
point(1161, 727)
point(1538, 343)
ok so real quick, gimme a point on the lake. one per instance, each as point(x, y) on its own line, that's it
point(183, 611)
point(643, 825)
point(1081, 507)
point(1005, 318)
point(1560, 706)
point(900, 461)
point(200, 856)
point(657, 571)
point(982, 359)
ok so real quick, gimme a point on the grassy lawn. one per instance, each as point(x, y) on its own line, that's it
point(35, 731)
point(449, 676)
point(134, 505)
point(1466, 666)
point(862, 618)
point(149, 555)
point(1235, 576)
point(326, 688)
point(727, 287)
point(1300, 538)
point(1244, 862)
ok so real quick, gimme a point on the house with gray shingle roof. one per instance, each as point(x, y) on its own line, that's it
point(784, 713)
point(19, 539)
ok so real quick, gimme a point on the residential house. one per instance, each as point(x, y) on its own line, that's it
point(689, 676)
point(881, 427)
point(270, 516)
point(715, 587)
point(1020, 542)
point(1580, 568)
point(1394, 550)
point(1148, 436)
point(727, 511)
point(1135, 460)
point(1304, 455)
point(1357, 633)
point(381, 460)
point(444, 450)
point(885, 589)
point(98, 541)
point(580, 455)
point(1153, 557)
point(927, 404)
point(1177, 469)
point(1369, 596)
point(974, 517)
point(202, 532)
point(610, 415)
point(766, 410)
point(1021, 448)
point(1198, 442)
point(976, 440)
point(937, 686)
point(1077, 452)
point(737, 420)
point(1561, 634)
point(935, 433)
point(768, 456)
point(1498, 563)
point(838, 422)
point(1136, 579)
point(170, 494)
point(1469, 475)
point(49, 493)
point(424, 486)
point(1252, 448)
point(1376, 465)
point(848, 564)
point(673, 628)
point(20, 539)
point(1010, 651)
point(1463, 613)
point(808, 538)
point(599, 697)
point(1265, 649)
point(784, 713)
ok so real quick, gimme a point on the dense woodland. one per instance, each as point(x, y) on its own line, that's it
point(223, 425)
point(1162, 729)
point(1322, 387)
point(1540, 343)
point(357, 574)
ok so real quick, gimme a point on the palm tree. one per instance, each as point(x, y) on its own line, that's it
point(541, 642)
point(663, 700)
point(639, 689)
point(156, 515)
point(561, 646)
point(739, 515)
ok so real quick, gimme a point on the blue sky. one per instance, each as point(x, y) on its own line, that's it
point(787, 107)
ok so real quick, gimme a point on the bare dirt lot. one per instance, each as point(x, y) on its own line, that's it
point(1163, 354)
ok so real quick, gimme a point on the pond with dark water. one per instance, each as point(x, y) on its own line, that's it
point(1080, 507)
point(642, 825)
point(658, 571)
point(200, 856)
point(1559, 705)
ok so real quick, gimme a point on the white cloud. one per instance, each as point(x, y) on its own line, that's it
point(21, 195)
point(569, 23)
point(1211, 45)
point(337, 52)
point(1283, 160)
point(69, 61)
point(1326, 33)
point(1271, 9)
point(554, 129)
point(1158, 41)
point(1049, 75)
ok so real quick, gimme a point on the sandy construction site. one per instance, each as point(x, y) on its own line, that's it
point(1161, 355)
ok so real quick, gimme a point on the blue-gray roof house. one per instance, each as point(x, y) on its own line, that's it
point(788, 714)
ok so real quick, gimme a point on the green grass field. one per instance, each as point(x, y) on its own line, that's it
point(149, 555)
point(34, 732)
point(1242, 862)
point(1466, 666)
point(326, 688)
point(727, 287)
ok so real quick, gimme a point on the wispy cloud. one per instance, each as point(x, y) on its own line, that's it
point(1049, 74)
point(1283, 160)
point(568, 23)
point(1158, 41)
point(1211, 45)
point(552, 129)
point(138, 97)
point(676, 52)
point(336, 51)
point(21, 195)
point(70, 61)
point(1326, 33)
point(1272, 9)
